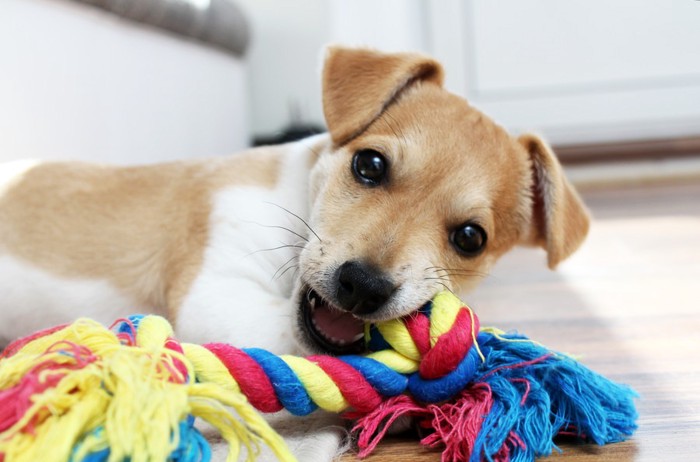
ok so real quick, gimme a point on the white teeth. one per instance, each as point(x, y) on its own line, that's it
point(312, 299)
point(334, 340)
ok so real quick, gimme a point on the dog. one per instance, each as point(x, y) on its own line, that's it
point(293, 247)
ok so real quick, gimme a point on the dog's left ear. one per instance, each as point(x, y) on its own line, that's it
point(560, 219)
point(358, 84)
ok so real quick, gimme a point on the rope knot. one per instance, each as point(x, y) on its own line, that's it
point(440, 338)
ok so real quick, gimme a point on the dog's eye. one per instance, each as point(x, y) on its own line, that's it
point(369, 167)
point(469, 239)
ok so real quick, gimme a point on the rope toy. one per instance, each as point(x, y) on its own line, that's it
point(85, 393)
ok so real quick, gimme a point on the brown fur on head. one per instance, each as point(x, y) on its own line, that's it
point(448, 164)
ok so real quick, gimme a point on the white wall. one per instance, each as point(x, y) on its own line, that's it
point(78, 83)
point(389, 25)
point(284, 61)
point(288, 39)
point(577, 71)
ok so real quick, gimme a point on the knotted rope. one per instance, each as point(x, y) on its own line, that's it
point(82, 392)
point(432, 355)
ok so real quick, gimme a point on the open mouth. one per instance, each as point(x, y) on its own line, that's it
point(332, 329)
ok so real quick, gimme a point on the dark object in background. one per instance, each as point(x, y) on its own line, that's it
point(291, 133)
point(297, 128)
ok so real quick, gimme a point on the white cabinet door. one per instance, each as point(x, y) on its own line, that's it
point(575, 70)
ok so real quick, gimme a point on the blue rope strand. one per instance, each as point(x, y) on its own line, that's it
point(385, 380)
point(290, 391)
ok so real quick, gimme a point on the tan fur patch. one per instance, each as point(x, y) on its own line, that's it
point(441, 176)
point(349, 104)
point(141, 228)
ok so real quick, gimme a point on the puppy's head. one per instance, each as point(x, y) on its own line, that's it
point(420, 192)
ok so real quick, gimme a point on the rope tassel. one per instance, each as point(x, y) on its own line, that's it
point(83, 392)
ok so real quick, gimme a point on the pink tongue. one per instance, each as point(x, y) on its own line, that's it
point(337, 324)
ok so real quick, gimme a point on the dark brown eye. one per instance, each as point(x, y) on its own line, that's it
point(469, 239)
point(369, 167)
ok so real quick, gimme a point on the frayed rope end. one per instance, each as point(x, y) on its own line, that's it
point(523, 397)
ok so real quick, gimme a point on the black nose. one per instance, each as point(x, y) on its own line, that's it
point(362, 289)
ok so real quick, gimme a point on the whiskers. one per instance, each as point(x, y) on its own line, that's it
point(441, 281)
point(444, 276)
point(278, 227)
point(293, 262)
point(280, 247)
point(298, 218)
point(286, 266)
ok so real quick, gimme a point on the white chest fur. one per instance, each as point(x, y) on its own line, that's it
point(242, 294)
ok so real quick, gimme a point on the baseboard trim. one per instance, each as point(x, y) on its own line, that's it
point(638, 173)
point(629, 150)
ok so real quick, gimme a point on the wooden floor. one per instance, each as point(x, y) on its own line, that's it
point(628, 302)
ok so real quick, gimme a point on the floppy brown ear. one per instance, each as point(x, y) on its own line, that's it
point(560, 219)
point(358, 84)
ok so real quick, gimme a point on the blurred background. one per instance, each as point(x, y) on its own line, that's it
point(133, 81)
